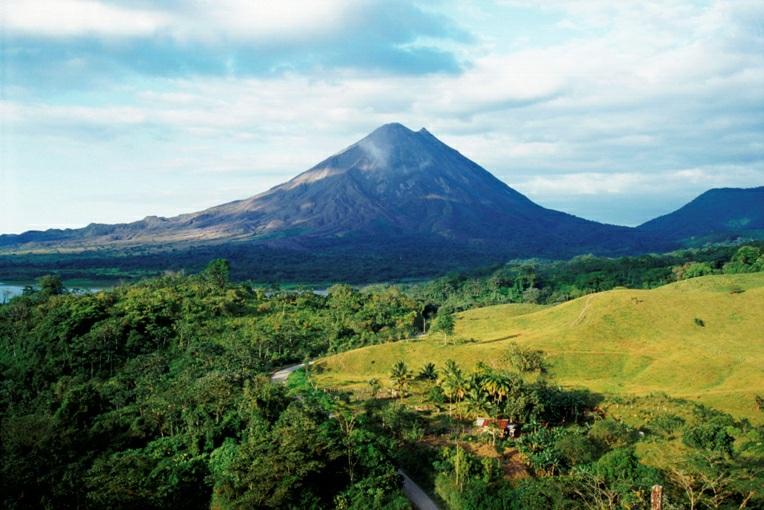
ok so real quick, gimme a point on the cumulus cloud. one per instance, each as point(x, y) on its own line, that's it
point(69, 41)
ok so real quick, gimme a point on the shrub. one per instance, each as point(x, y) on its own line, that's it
point(666, 423)
point(374, 386)
point(620, 474)
point(541, 494)
point(400, 375)
point(526, 360)
point(692, 270)
point(436, 395)
point(576, 448)
point(540, 448)
point(712, 436)
point(612, 434)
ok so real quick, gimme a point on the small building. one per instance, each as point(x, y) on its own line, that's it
point(505, 427)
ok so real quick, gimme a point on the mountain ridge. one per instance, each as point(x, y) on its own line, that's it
point(718, 211)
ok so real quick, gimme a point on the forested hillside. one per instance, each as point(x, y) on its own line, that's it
point(552, 282)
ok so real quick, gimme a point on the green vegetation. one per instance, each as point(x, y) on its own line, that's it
point(575, 449)
point(400, 376)
point(544, 282)
point(157, 395)
point(356, 260)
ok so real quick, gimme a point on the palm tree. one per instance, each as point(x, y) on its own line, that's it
point(498, 386)
point(428, 372)
point(452, 369)
point(400, 375)
point(476, 397)
point(453, 383)
point(374, 386)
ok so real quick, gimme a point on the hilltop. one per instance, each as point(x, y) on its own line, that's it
point(716, 214)
point(698, 339)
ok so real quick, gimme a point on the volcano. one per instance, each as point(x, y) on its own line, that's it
point(395, 187)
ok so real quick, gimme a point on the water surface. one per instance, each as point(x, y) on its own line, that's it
point(11, 290)
point(8, 291)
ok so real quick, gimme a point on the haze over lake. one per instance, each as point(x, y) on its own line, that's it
point(11, 290)
point(8, 291)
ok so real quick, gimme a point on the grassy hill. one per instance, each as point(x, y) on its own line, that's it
point(699, 339)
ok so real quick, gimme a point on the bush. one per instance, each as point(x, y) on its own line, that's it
point(540, 448)
point(712, 436)
point(576, 448)
point(612, 434)
point(666, 423)
point(526, 360)
point(436, 395)
point(622, 475)
point(748, 259)
point(542, 494)
point(397, 419)
point(692, 270)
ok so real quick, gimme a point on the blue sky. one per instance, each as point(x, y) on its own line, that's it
point(616, 111)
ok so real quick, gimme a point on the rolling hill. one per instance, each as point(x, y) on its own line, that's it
point(617, 342)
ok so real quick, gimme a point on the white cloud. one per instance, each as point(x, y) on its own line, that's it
point(261, 20)
point(187, 21)
point(61, 18)
point(695, 180)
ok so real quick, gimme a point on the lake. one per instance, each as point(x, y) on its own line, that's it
point(7, 291)
point(11, 290)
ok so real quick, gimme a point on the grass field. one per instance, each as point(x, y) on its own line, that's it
point(699, 339)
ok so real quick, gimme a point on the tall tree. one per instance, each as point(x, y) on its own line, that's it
point(445, 323)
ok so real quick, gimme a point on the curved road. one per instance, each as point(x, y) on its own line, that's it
point(416, 495)
point(281, 376)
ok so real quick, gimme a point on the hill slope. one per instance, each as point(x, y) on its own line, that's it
point(620, 341)
point(717, 214)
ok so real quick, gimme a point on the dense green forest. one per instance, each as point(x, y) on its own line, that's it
point(550, 282)
point(319, 264)
point(158, 394)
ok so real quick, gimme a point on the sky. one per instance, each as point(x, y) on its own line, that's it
point(111, 111)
